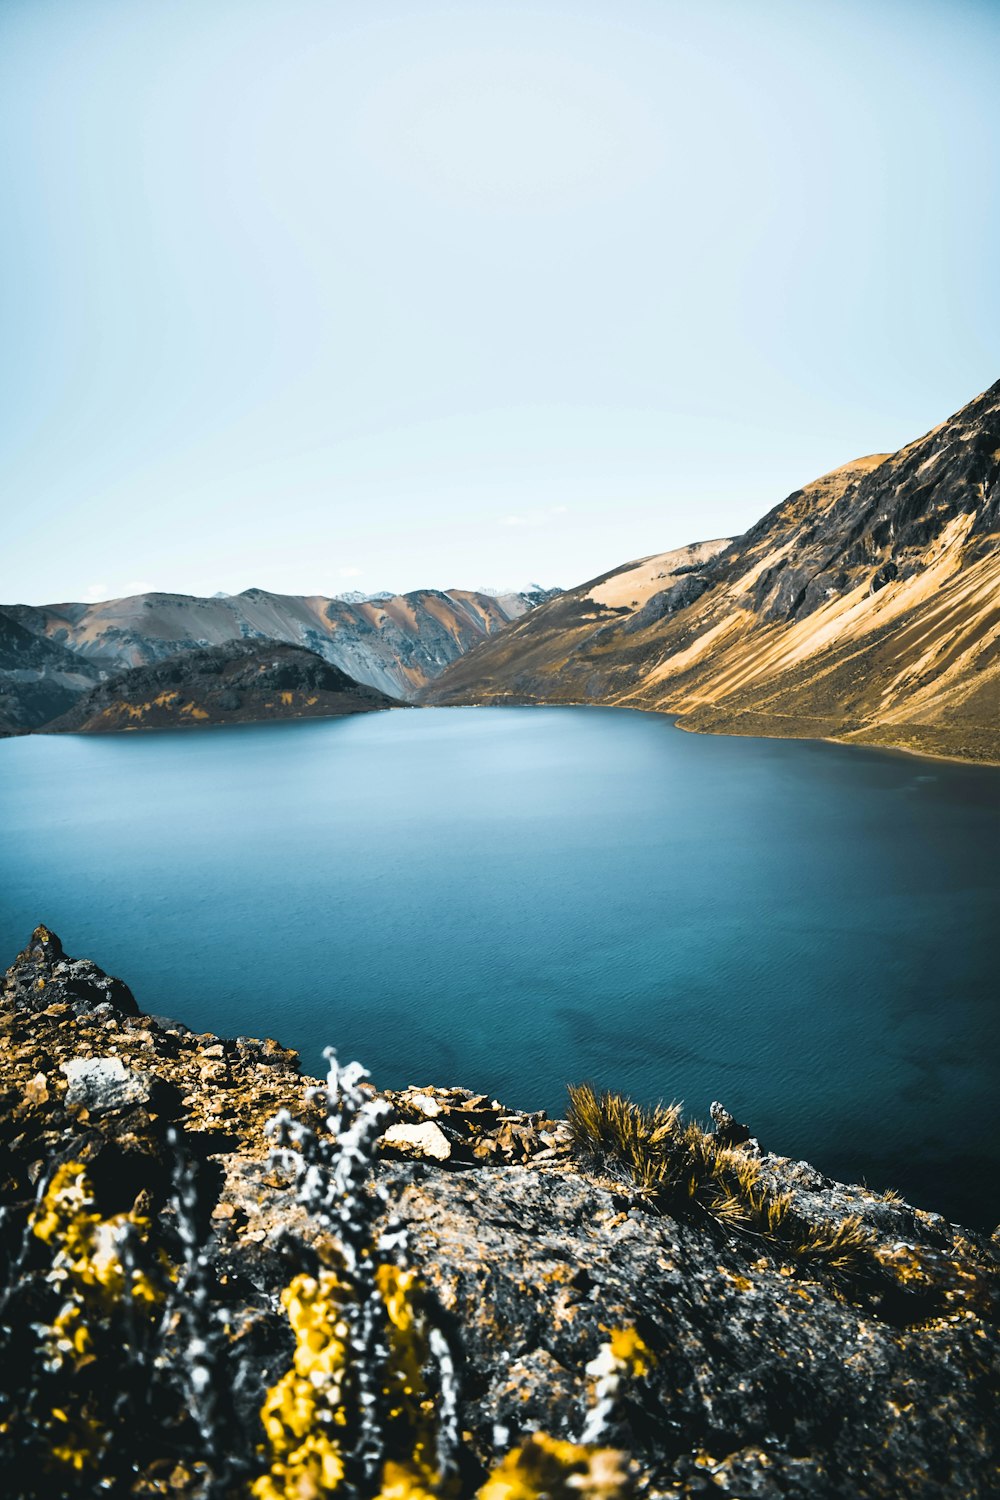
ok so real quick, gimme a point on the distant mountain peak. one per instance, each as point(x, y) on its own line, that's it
point(355, 596)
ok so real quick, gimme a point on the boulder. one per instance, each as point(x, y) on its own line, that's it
point(427, 1140)
point(103, 1084)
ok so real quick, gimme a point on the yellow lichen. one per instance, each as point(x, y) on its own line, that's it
point(94, 1281)
point(628, 1348)
point(546, 1468)
point(86, 1258)
point(307, 1458)
point(305, 1415)
point(409, 1398)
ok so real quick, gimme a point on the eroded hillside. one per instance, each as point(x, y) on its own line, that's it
point(864, 607)
point(38, 678)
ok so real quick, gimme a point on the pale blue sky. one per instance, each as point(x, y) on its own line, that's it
point(314, 295)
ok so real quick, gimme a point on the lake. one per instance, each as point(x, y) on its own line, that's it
point(511, 898)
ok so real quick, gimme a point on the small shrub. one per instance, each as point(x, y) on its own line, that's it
point(117, 1356)
point(370, 1402)
point(369, 1406)
point(74, 1317)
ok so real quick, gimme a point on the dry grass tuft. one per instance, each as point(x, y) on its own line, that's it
point(840, 1247)
point(633, 1141)
point(681, 1169)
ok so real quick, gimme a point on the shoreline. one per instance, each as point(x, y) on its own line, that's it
point(677, 718)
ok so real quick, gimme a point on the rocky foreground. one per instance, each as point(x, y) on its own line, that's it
point(764, 1372)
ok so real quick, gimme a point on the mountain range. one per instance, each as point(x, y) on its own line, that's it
point(50, 655)
point(864, 607)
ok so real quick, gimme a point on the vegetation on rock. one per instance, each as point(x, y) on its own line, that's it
point(193, 1307)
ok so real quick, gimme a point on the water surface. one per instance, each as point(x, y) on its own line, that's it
point(512, 898)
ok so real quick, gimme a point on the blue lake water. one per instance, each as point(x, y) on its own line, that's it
point(512, 898)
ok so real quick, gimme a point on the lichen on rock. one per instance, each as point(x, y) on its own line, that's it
point(575, 1298)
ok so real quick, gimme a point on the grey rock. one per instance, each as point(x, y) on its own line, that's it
point(102, 1084)
point(43, 976)
point(728, 1130)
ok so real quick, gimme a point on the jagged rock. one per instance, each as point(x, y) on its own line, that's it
point(728, 1130)
point(36, 1090)
point(42, 976)
point(426, 1105)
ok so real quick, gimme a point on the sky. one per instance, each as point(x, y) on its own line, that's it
point(314, 296)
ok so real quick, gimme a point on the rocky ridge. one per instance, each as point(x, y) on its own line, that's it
point(239, 682)
point(865, 607)
point(768, 1377)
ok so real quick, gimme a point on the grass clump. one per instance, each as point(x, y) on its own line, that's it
point(634, 1141)
point(683, 1170)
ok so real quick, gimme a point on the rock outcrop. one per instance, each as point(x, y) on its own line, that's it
point(764, 1375)
point(38, 678)
point(865, 607)
point(241, 682)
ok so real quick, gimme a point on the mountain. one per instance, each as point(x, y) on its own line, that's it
point(239, 682)
point(557, 654)
point(734, 1323)
point(38, 678)
point(396, 643)
point(865, 607)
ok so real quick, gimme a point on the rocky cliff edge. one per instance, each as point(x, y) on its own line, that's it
point(765, 1372)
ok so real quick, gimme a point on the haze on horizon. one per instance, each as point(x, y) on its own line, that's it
point(316, 296)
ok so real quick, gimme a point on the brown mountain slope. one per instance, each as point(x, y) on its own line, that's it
point(865, 607)
point(556, 654)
